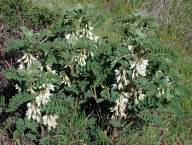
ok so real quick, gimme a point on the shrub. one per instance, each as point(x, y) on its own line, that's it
point(76, 87)
point(17, 13)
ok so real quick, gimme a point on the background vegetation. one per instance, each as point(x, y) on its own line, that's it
point(173, 18)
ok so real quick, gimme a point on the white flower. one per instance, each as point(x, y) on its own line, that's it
point(117, 72)
point(90, 54)
point(17, 87)
point(81, 32)
point(49, 69)
point(50, 87)
point(130, 47)
point(44, 94)
point(138, 95)
point(118, 78)
point(31, 89)
point(167, 81)
point(120, 106)
point(114, 86)
point(87, 32)
point(161, 91)
point(47, 87)
point(43, 97)
point(136, 101)
point(121, 79)
point(80, 59)
point(27, 60)
point(124, 94)
point(21, 66)
point(33, 112)
point(50, 121)
point(67, 36)
point(91, 36)
point(141, 96)
point(66, 79)
point(90, 28)
point(41, 68)
point(139, 67)
point(120, 86)
point(71, 37)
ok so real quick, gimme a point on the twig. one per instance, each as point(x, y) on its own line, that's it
point(44, 40)
point(9, 66)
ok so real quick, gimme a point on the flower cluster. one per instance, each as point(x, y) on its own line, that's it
point(50, 121)
point(121, 78)
point(43, 93)
point(65, 79)
point(81, 57)
point(120, 106)
point(139, 67)
point(82, 54)
point(122, 100)
point(43, 97)
point(33, 111)
point(26, 61)
point(167, 81)
point(138, 95)
point(47, 68)
point(130, 47)
point(161, 90)
point(86, 31)
point(71, 37)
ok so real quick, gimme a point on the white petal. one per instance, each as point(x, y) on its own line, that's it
point(90, 28)
point(136, 101)
point(141, 96)
point(67, 36)
point(90, 34)
point(96, 38)
point(130, 47)
point(114, 86)
point(117, 72)
point(120, 86)
point(141, 70)
point(133, 74)
point(118, 78)
point(145, 62)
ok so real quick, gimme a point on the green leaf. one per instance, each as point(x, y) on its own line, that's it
point(20, 122)
point(18, 100)
point(31, 136)
point(16, 133)
point(32, 125)
point(91, 121)
point(100, 100)
point(15, 44)
point(115, 123)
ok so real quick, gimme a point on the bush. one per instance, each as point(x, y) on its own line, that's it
point(17, 13)
point(75, 87)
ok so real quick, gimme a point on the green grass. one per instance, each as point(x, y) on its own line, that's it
point(174, 19)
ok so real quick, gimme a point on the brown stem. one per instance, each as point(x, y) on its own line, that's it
point(116, 132)
point(72, 73)
point(9, 66)
point(95, 96)
point(95, 93)
point(42, 130)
